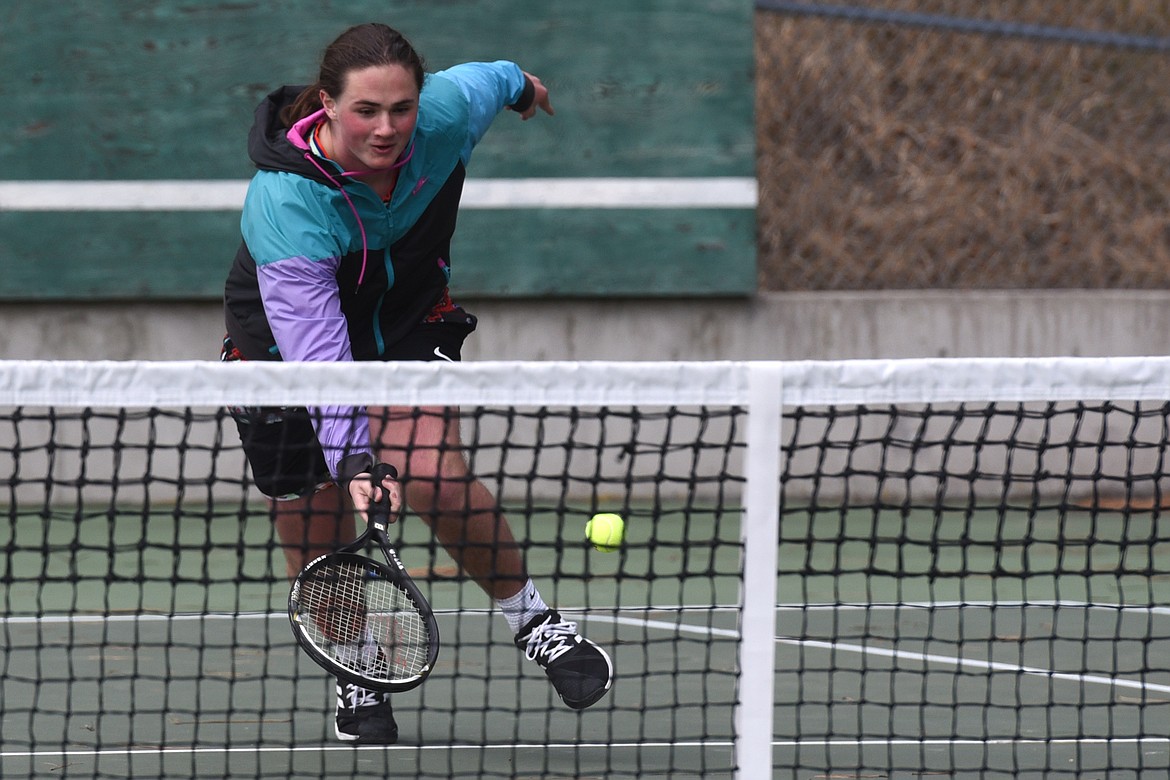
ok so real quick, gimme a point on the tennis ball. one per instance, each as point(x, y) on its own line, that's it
point(606, 531)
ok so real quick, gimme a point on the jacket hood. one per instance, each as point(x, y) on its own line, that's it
point(268, 144)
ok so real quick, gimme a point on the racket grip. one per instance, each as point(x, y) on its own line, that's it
point(379, 511)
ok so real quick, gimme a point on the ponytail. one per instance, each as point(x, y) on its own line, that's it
point(306, 103)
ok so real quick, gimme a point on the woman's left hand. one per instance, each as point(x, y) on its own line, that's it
point(539, 99)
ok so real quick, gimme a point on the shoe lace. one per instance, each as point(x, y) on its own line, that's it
point(356, 697)
point(549, 641)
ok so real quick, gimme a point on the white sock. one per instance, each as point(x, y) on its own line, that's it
point(362, 654)
point(520, 609)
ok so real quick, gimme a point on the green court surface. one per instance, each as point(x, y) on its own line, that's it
point(988, 643)
point(146, 661)
point(1006, 641)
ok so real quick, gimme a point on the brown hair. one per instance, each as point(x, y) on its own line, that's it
point(359, 47)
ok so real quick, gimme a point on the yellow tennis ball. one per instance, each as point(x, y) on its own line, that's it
point(606, 531)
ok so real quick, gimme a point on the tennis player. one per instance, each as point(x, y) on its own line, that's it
point(346, 256)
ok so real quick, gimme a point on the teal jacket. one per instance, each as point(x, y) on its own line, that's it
point(329, 272)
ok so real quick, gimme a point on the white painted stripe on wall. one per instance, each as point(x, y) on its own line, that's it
point(228, 195)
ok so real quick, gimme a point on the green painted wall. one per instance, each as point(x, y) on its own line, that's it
point(165, 89)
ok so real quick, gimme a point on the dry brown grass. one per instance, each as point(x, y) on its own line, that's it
point(896, 158)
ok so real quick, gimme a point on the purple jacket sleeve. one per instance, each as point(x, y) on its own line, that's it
point(304, 311)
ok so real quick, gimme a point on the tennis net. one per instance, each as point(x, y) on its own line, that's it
point(863, 568)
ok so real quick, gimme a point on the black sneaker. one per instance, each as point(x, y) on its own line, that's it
point(580, 671)
point(364, 717)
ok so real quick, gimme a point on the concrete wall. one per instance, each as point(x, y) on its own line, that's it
point(771, 326)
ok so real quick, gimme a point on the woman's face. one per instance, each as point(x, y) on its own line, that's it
point(371, 121)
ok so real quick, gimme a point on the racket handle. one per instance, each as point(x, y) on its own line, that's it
point(379, 512)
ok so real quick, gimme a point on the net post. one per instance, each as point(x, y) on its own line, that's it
point(761, 538)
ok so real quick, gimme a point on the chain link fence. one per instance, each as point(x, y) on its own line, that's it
point(963, 144)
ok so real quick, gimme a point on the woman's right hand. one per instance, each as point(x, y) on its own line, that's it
point(365, 491)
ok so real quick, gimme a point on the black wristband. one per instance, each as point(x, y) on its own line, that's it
point(383, 470)
point(352, 466)
point(524, 102)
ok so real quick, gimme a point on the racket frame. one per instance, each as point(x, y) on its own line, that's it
point(392, 570)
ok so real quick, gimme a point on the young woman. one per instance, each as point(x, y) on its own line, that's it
point(347, 231)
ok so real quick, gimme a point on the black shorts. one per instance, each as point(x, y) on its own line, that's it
point(281, 443)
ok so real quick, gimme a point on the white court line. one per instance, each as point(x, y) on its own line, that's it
point(1152, 609)
point(719, 192)
point(607, 746)
point(968, 663)
point(663, 625)
point(195, 617)
point(964, 741)
point(681, 609)
point(687, 628)
point(666, 626)
point(980, 665)
point(342, 748)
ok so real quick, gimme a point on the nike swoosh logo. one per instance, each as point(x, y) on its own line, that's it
point(440, 355)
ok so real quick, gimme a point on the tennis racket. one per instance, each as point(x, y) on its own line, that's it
point(363, 620)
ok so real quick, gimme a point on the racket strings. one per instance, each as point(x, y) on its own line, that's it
point(363, 621)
